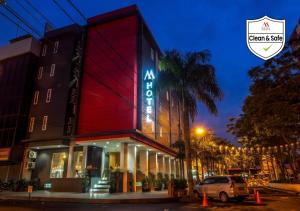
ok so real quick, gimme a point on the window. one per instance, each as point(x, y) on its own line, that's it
point(52, 71)
point(237, 179)
point(152, 54)
point(40, 73)
point(221, 180)
point(167, 95)
point(31, 124)
point(55, 49)
point(49, 93)
point(161, 132)
point(57, 165)
point(36, 97)
point(44, 125)
point(77, 164)
point(209, 181)
point(44, 51)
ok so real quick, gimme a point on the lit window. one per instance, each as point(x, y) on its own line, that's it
point(36, 97)
point(52, 71)
point(57, 165)
point(44, 125)
point(44, 51)
point(152, 54)
point(31, 124)
point(55, 49)
point(167, 95)
point(40, 73)
point(161, 132)
point(49, 94)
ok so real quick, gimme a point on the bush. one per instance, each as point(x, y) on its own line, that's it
point(180, 184)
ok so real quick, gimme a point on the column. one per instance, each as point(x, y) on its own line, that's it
point(144, 163)
point(153, 167)
point(26, 174)
point(173, 164)
point(84, 156)
point(184, 170)
point(124, 164)
point(132, 163)
point(161, 165)
point(178, 173)
point(70, 159)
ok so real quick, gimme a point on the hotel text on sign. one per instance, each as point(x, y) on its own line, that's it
point(149, 87)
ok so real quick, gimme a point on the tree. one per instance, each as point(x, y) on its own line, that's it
point(271, 112)
point(191, 79)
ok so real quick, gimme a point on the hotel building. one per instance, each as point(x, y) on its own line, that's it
point(96, 108)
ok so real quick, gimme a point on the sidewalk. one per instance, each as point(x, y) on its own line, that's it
point(93, 198)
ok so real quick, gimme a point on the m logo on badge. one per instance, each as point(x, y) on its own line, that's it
point(265, 36)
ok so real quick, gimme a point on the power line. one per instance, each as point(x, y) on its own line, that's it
point(27, 10)
point(41, 14)
point(100, 35)
point(14, 22)
point(77, 10)
point(63, 10)
point(14, 13)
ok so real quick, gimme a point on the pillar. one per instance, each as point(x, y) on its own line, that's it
point(84, 156)
point(124, 164)
point(132, 163)
point(153, 167)
point(70, 159)
point(144, 163)
point(26, 174)
point(185, 170)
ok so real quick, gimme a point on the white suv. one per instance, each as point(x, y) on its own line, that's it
point(223, 188)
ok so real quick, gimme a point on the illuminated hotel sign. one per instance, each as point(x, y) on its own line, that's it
point(149, 77)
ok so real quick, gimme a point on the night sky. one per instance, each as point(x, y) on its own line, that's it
point(189, 25)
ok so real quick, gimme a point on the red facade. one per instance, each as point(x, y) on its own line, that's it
point(108, 100)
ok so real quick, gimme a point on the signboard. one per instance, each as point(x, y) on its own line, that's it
point(4, 154)
point(265, 36)
point(149, 94)
point(29, 189)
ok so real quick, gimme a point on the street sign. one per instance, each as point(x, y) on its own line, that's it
point(29, 189)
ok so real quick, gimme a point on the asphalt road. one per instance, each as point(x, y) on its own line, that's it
point(272, 200)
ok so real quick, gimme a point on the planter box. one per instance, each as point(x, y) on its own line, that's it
point(286, 186)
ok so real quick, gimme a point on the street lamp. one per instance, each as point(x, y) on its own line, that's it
point(200, 131)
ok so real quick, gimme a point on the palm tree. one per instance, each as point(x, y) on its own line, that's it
point(191, 79)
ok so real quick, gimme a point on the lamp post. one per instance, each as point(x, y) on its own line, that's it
point(200, 131)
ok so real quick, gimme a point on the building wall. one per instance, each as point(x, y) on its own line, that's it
point(43, 164)
point(55, 74)
point(108, 94)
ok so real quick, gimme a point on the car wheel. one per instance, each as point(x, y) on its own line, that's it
point(224, 197)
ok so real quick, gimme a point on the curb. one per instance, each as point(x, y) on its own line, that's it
point(89, 201)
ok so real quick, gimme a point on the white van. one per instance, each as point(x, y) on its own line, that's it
point(223, 188)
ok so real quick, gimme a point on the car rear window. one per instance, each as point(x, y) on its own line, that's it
point(221, 180)
point(237, 179)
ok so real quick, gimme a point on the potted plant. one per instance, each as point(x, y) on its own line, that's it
point(179, 186)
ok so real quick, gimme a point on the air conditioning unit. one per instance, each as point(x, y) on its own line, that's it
point(32, 154)
point(30, 165)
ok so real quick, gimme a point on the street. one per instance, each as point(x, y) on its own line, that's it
point(272, 200)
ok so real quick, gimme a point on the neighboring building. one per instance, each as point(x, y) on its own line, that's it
point(118, 126)
point(54, 106)
point(18, 64)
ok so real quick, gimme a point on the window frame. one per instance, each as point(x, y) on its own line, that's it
point(40, 72)
point(36, 97)
point(44, 50)
point(31, 124)
point(52, 70)
point(44, 123)
point(49, 96)
point(56, 46)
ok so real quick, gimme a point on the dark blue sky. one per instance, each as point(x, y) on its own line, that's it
point(219, 26)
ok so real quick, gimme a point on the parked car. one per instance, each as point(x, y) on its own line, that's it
point(223, 188)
